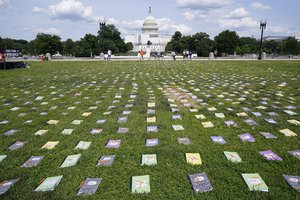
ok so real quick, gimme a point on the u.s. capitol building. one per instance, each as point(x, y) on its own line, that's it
point(149, 38)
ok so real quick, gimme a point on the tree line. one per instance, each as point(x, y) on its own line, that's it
point(226, 42)
point(107, 38)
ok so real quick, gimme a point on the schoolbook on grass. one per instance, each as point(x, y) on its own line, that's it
point(106, 160)
point(149, 159)
point(83, 145)
point(270, 155)
point(294, 181)
point(287, 132)
point(49, 184)
point(200, 182)
point(17, 145)
point(33, 161)
point(178, 128)
point(70, 161)
point(113, 144)
point(193, 158)
point(140, 184)
point(50, 145)
point(151, 142)
point(255, 182)
point(6, 185)
point(233, 156)
point(2, 157)
point(246, 137)
point(218, 139)
point(185, 141)
point(295, 153)
point(151, 119)
point(268, 135)
point(89, 186)
point(67, 131)
point(207, 124)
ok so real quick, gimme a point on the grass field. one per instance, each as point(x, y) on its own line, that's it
point(70, 89)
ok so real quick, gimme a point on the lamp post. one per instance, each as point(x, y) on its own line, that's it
point(263, 25)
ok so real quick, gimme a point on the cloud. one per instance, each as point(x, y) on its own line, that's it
point(237, 13)
point(165, 26)
point(240, 24)
point(4, 4)
point(72, 10)
point(36, 9)
point(277, 29)
point(260, 6)
point(202, 4)
point(168, 26)
point(50, 30)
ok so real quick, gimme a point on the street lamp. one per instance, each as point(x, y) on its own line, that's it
point(263, 25)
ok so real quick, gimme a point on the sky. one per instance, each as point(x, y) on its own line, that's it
point(73, 19)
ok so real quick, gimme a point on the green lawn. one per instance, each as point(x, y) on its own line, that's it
point(93, 86)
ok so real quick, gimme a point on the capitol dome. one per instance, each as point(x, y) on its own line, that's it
point(150, 26)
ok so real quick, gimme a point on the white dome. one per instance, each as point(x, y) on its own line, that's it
point(150, 26)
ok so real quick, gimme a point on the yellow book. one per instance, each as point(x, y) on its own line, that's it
point(50, 144)
point(40, 132)
point(242, 114)
point(193, 158)
point(86, 114)
point(151, 119)
point(294, 121)
point(287, 132)
point(151, 105)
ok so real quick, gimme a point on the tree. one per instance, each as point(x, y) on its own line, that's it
point(8, 43)
point(46, 43)
point(202, 44)
point(175, 43)
point(272, 46)
point(247, 45)
point(290, 46)
point(69, 47)
point(227, 41)
point(129, 46)
point(110, 38)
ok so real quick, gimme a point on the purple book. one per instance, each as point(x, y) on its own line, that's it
point(106, 160)
point(294, 181)
point(251, 122)
point(113, 144)
point(271, 121)
point(10, 132)
point(270, 155)
point(256, 114)
point(218, 139)
point(267, 135)
point(246, 137)
point(230, 123)
point(200, 182)
point(295, 153)
point(17, 145)
point(96, 131)
point(153, 129)
point(123, 130)
point(185, 141)
point(151, 142)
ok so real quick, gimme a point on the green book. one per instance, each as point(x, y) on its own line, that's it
point(2, 157)
point(49, 183)
point(140, 184)
point(149, 159)
point(70, 161)
point(233, 156)
point(83, 145)
point(255, 182)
